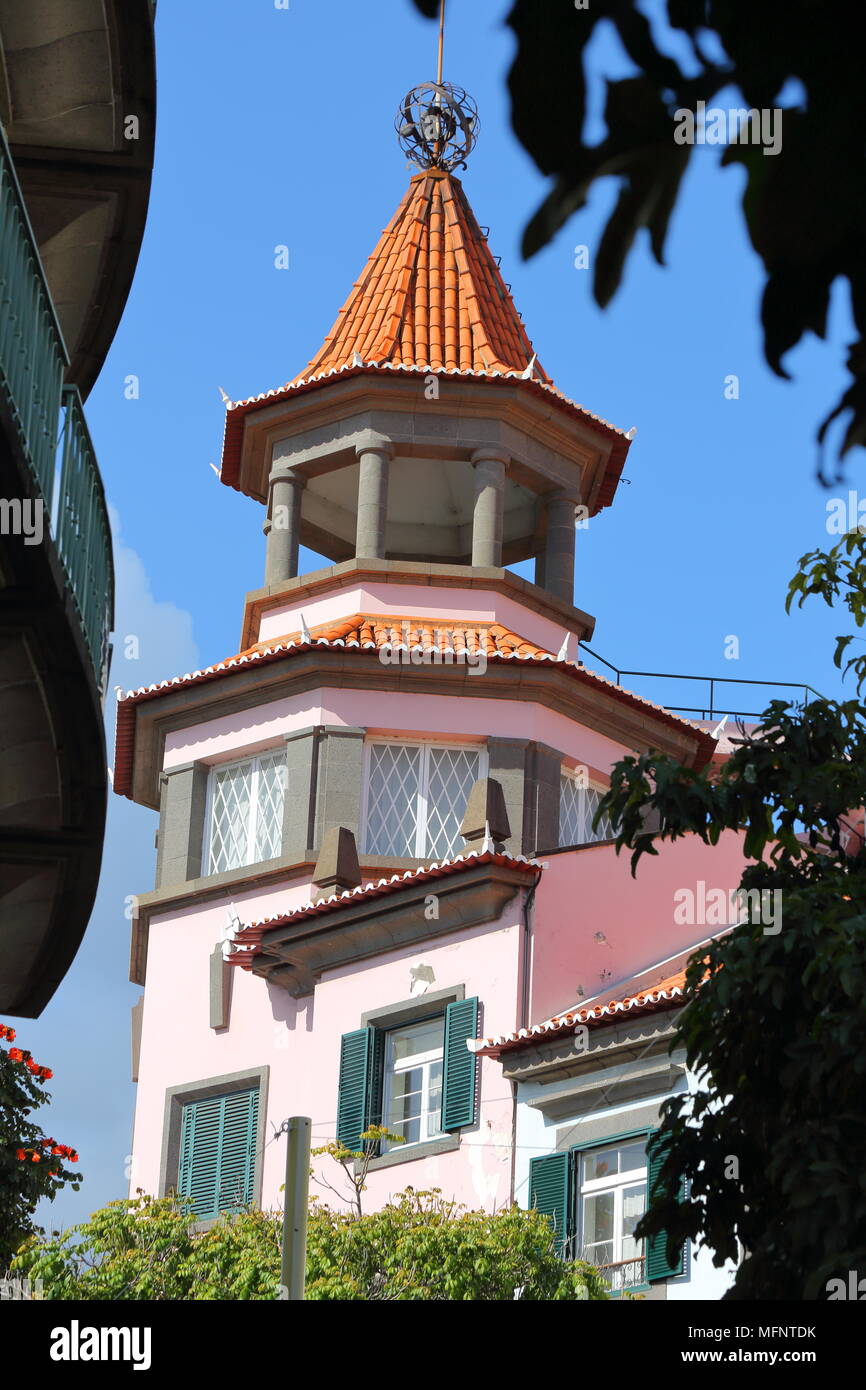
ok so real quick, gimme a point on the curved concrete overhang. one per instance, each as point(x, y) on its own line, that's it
point(53, 774)
point(78, 101)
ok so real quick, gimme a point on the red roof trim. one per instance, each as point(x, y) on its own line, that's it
point(666, 994)
point(248, 940)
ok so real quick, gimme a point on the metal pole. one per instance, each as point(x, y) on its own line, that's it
point(441, 41)
point(296, 1195)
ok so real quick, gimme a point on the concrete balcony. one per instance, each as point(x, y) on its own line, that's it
point(56, 615)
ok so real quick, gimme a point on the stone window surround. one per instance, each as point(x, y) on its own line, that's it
point(478, 745)
point(178, 1096)
point(400, 1015)
point(218, 765)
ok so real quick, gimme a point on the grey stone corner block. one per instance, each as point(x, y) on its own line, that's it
point(337, 865)
point(486, 811)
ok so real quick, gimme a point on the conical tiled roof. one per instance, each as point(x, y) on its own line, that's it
point(430, 299)
point(430, 296)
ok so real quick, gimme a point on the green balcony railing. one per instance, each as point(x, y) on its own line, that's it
point(32, 354)
point(48, 419)
point(83, 534)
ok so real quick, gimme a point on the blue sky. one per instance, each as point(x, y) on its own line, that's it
point(276, 128)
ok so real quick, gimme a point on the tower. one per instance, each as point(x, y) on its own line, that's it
point(377, 836)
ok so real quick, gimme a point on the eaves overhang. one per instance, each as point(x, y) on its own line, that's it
point(234, 471)
point(145, 716)
point(294, 949)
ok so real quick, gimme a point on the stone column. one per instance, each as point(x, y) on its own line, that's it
point(559, 550)
point(283, 527)
point(375, 461)
point(489, 465)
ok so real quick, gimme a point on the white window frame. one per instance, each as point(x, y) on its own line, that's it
point(256, 759)
point(427, 746)
point(592, 785)
point(424, 1060)
point(615, 1183)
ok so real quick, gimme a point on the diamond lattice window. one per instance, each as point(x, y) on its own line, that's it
point(246, 816)
point(577, 807)
point(416, 798)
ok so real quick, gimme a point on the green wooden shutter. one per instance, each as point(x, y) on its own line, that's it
point(218, 1152)
point(360, 1100)
point(550, 1192)
point(658, 1266)
point(238, 1155)
point(460, 1065)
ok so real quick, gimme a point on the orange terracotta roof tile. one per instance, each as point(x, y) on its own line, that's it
point(440, 636)
point(667, 993)
point(431, 294)
point(430, 298)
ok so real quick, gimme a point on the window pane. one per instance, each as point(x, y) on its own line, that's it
point(392, 799)
point(632, 1157)
point(598, 1218)
point(434, 1105)
point(452, 773)
point(570, 812)
point(577, 806)
point(271, 796)
point(602, 831)
point(230, 817)
point(600, 1163)
point(404, 1111)
point(422, 1037)
point(633, 1203)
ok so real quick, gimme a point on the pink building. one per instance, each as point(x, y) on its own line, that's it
point(314, 790)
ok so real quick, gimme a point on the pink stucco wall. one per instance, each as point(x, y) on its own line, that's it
point(598, 926)
point(389, 712)
point(299, 1041)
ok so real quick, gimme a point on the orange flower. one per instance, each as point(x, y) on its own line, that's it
point(46, 1073)
point(35, 1158)
point(16, 1054)
point(19, 1153)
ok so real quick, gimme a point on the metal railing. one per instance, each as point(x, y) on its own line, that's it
point(49, 421)
point(83, 534)
point(709, 708)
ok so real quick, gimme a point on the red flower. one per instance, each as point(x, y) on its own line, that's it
point(6, 1032)
point(46, 1073)
point(16, 1054)
point(35, 1158)
point(73, 1156)
point(19, 1153)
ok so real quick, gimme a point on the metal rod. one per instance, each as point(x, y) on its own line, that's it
point(441, 41)
point(296, 1200)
